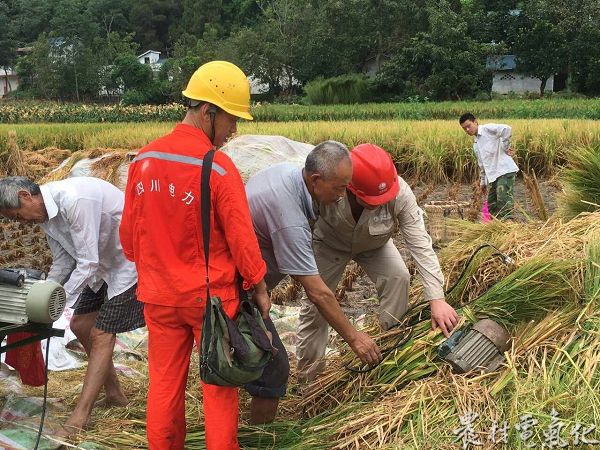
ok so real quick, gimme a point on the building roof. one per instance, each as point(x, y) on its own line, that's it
point(505, 62)
point(57, 41)
point(148, 51)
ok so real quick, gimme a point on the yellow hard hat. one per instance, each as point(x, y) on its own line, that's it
point(223, 84)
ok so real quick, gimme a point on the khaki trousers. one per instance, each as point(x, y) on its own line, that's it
point(384, 266)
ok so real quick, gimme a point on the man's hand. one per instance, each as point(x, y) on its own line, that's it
point(510, 152)
point(262, 299)
point(318, 293)
point(443, 316)
point(365, 348)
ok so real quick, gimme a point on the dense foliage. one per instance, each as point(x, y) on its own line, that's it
point(424, 49)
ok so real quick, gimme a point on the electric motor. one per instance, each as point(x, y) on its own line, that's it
point(26, 299)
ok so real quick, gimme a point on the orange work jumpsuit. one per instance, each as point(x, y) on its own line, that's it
point(161, 232)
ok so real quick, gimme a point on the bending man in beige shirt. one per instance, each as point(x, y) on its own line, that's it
point(359, 227)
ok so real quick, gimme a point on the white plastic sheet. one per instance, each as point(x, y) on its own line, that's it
point(250, 153)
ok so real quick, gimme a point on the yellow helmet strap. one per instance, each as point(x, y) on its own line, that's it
point(212, 111)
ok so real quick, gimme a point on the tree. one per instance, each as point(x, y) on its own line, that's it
point(30, 18)
point(493, 21)
point(37, 73)
point(108, 50)
point(540, 43)
point(151, 20)
point(129, 73)
point(7, 44)
point(72, 50)
point(443, 63)
point(270, 50)
point(111, 15)
point(578, 21)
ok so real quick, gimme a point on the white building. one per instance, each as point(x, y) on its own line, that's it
point(9, 81)
point(151, 58)
point(507, 78)
point(257, 86)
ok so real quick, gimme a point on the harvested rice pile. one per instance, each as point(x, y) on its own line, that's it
point(547, 295)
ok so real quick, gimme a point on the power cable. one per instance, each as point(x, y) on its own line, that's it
point(39, 434)
point(410, 325)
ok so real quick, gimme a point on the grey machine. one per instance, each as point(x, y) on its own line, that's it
point(26, 296)
point(478, 347)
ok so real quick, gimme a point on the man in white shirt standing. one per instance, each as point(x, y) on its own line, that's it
point(497, 169)
point(81, 217)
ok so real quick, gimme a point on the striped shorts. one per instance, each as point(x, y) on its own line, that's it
point(118, 314)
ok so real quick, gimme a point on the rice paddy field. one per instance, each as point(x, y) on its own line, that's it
point(546, 108)
point(546, 394)
point(429, 150)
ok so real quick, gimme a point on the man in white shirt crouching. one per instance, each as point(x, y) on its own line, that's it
point(81, 217)
point(497, 169)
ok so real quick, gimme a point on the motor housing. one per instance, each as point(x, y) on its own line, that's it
point(479, 347)
point(31, 300)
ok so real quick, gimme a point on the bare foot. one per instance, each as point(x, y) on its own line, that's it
point(118, 401)
point(75, 424)
point(66, 431)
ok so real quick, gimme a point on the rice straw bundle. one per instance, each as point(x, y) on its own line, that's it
point(547, 276)
point(12, 158)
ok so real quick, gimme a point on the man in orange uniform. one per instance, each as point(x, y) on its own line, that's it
point(161, 232)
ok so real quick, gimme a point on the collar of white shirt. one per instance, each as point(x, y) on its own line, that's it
point(51, 207)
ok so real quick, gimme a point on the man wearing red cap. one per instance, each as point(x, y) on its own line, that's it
point(360, 228)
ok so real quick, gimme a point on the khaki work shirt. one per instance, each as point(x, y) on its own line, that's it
point(337, 229)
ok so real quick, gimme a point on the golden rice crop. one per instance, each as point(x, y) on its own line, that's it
point(435, 151)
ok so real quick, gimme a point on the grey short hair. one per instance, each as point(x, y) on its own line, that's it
point(9, 191)
point(326, 157)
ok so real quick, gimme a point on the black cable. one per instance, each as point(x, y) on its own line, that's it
point(411, 324)
point(506, 259)
point(39, 434)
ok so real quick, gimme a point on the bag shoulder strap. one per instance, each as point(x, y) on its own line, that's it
point(205, 209)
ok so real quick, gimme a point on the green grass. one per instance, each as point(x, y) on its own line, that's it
point(582, 181)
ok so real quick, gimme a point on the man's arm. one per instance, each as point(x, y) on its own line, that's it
point(62, 266)
point(482, 178)
point(62, 263)
point(262, 299)
point(83, 217)
point(318, 293)
point(504, 135)
point(293, 251)
point(418, 242)
point(232, 212)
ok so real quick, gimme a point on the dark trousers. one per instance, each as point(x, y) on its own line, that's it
point(501, 196)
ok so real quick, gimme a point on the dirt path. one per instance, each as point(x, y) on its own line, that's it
point(549, 188)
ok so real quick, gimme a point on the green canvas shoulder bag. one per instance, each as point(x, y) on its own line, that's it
point(232, 352)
